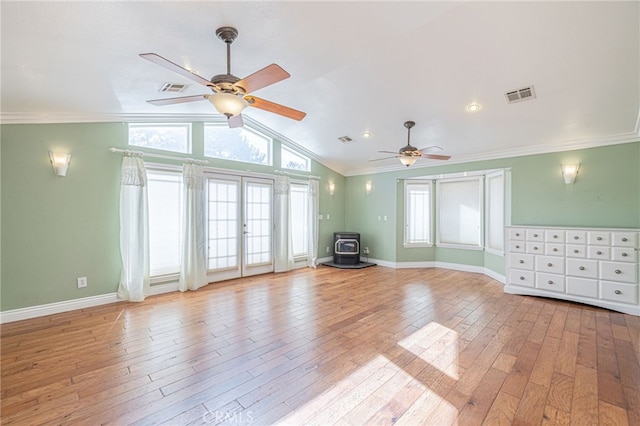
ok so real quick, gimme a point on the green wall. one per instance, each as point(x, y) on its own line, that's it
point(606, 193)
point(55, 229)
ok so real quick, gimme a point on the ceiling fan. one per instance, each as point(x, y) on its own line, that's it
point(231, 95)
point(409, 154)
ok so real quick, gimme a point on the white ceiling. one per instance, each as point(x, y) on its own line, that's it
point(355, 67)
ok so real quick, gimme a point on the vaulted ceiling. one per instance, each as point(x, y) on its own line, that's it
point(355, 67)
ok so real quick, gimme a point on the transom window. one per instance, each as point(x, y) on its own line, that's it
point(167, 137)
point(239, 144)
point(289, 159)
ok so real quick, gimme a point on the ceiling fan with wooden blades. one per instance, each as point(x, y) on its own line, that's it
point(409, 154)
point(231, 95)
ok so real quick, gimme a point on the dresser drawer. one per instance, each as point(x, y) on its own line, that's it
point(599, 238)
point(619, 271)
point(521, 261)
point(554, 236)
point(535, 248)
point(550, 282)
point(535, 235)
point(576, 251)
point(599, 252)
point(582, 268)
point(576, 237)
point(521, 278)
point(582, 287)
point(624, 254)
point(551, 264)
point(516, 234)
point(516, 246)
point(624, 239)
point(618, 292)
point(554, 249)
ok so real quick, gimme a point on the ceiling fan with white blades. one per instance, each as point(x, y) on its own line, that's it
point(231, 95)
point(409, 154)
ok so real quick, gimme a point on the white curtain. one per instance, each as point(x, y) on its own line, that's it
point(134, 230)
point(193, 271)
point(312, 251)
point(282, 207)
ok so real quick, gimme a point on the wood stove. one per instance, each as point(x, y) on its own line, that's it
point(346, 248)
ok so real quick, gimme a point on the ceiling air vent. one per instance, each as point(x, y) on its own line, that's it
point(345, 139)
point(520, 95)
point(173, 87)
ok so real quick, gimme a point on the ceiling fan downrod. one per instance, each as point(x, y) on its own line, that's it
point(228, 35)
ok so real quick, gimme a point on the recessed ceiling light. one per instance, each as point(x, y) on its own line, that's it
point(366, 134)
point(473, 107)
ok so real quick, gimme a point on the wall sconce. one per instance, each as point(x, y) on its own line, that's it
point(569, 172)
point(368, 187)
point(60, 162)
point(332, 188)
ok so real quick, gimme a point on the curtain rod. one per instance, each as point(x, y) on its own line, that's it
point(168, 157)
point(282, 172)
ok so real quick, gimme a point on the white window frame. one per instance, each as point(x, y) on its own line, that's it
point(186, 126)
point(489, 177)
point(439, 214)
point(407, 213)
point(307, 160)
point(245, 128)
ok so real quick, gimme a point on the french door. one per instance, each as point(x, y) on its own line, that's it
point(240, 226)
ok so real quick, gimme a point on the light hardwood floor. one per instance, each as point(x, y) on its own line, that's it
point(327, 346)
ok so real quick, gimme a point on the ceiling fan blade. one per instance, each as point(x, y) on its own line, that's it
point(165, 63)
point(265, 77)
point(275, 108)
point(389, 152)
point(436, 157)
point(431, 148)
point(183, 99)
point(235, 121)
point(385, 158)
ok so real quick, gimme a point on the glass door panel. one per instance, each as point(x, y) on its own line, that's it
point(224, 254)
point(258, 226)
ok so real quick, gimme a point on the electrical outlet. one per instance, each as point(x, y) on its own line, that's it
point(328, 216)
point(366, 250)
point(327, 249)
point(82, 282)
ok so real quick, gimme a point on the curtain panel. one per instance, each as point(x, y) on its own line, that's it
point(193, 271)
point(134, 230)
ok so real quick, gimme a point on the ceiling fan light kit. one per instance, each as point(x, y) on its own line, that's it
point(230, 93)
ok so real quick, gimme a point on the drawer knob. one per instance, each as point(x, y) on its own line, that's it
point(581, 268)
point(555, 249)
point(617, 292)
point(535, 248)
point(618, 271)
point(576, 251)
point(517, 234)
point(549, 282)
point(549, 264)
point(624, 254)
point(599, 238)
point(555, 236)
point(599, 252)
point(522, 278)
point(535, 235)
point(517, 246)
point(521, 261)
point(575, 237)
point(624, 239)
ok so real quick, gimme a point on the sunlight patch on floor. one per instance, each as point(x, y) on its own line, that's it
point(437, 345)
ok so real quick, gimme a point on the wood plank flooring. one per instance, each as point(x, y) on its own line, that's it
point(327, 346)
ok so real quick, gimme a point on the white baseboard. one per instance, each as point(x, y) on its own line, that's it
point(72, 305)
point(88, 302)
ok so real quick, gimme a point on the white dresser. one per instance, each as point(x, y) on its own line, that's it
point(597, 266)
